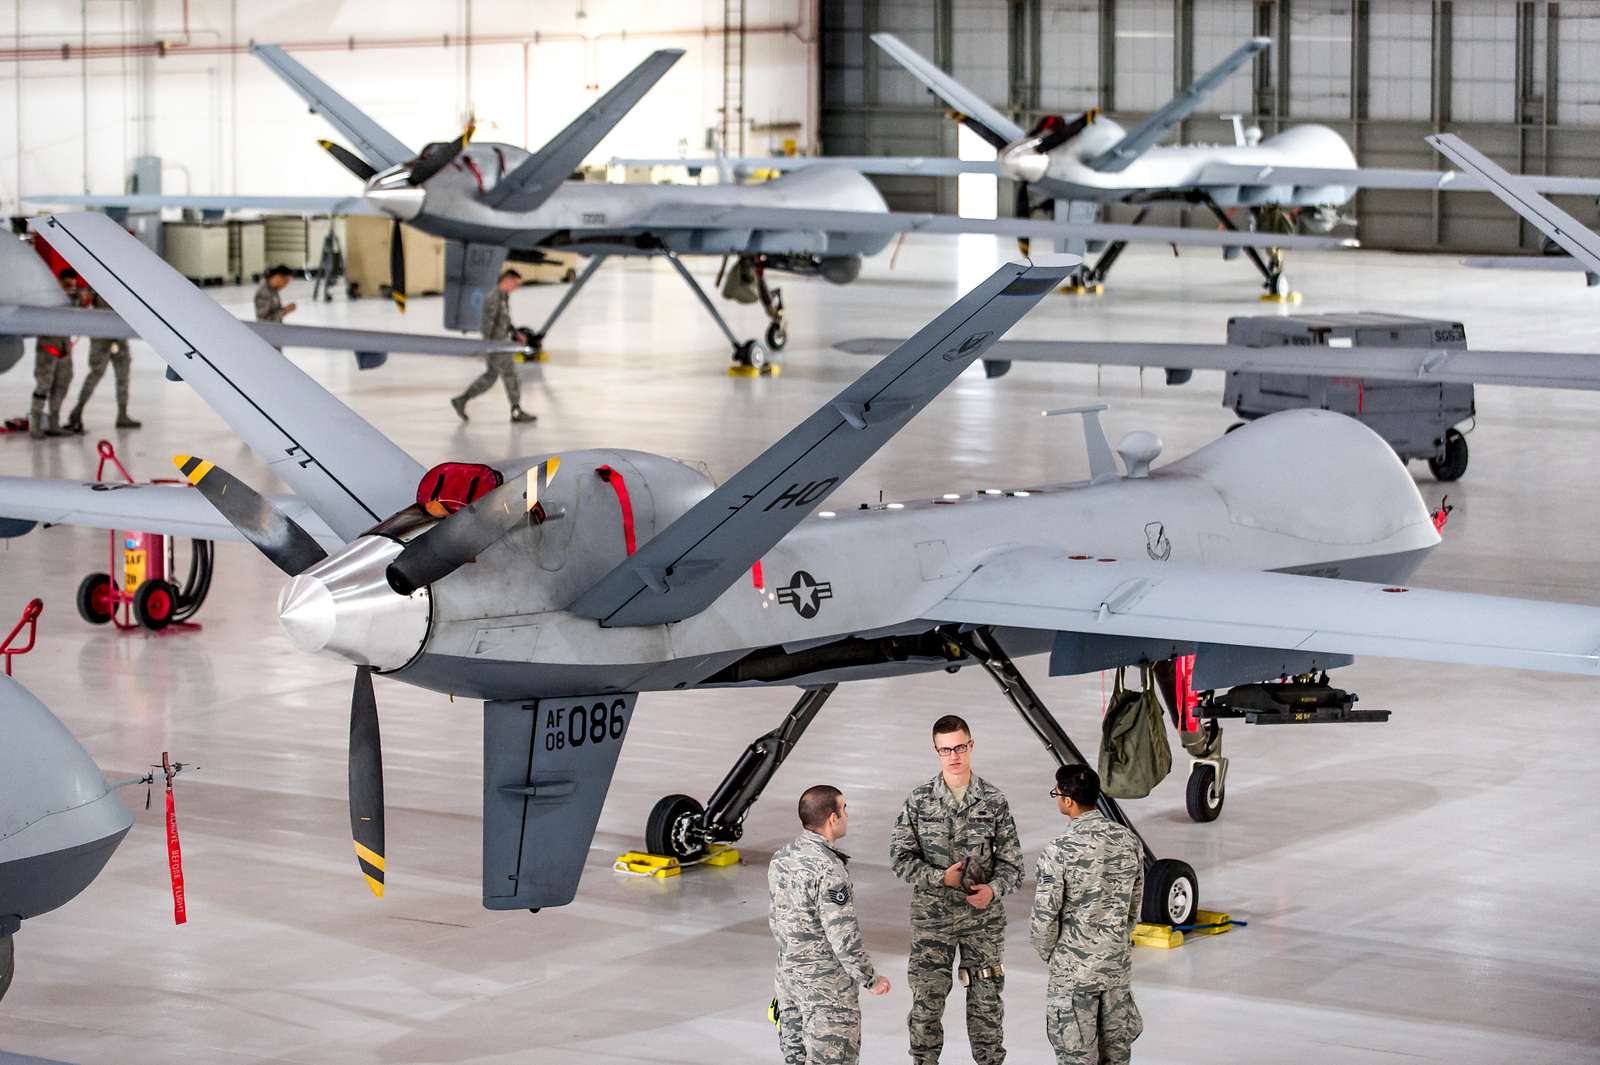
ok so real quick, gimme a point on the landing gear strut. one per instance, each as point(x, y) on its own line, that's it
point(1171, 889)
point(1272, 266)
point(680, 828)
point(1091, 280)
point(535, 340)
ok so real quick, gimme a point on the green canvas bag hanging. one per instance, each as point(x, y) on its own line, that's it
point(1134, 753)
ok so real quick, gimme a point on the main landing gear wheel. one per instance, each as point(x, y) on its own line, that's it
point(752, 355)
point(777, 337)
point(95, 604)
point(1205, 794)
point(154, 603)
point(1454, 462)
point(1171, 893)
point(675, 828)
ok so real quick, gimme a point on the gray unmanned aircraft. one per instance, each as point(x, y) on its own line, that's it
point(1402, 369)
point(1297, 180)
point(32, 303)
point(60, 821)
point(604, 573)
point(491, 201)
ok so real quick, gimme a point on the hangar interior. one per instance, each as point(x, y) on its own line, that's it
point(1412, 887)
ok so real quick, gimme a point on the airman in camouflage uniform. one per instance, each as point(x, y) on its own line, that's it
point(956, 844)
point(52, 377)
point(501, 364)
point(52, 370)
point(269, 304)
point(103, 350)
point(822, 959)
point(1090, 885)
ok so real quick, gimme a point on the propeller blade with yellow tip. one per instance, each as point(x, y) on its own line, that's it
point(275, 534)
point(366, 781)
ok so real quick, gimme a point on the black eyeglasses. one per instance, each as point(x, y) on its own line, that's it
point(1057, 793)
point(953, 752)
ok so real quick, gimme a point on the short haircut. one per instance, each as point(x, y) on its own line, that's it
point(819, 802)
point(951, 723)
point(508, 272)
point(280, 271)
point(67, 274)
point(1079, 783)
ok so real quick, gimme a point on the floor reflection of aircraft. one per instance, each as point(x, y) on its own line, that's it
point(602, 574)
point(491, 201)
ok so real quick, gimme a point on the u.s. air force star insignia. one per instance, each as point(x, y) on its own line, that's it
point(838, 895)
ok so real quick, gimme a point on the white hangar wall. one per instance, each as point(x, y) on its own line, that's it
point(86, 85)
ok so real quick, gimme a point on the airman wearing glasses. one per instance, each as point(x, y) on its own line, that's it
point(1090, 884)
point(956, 845)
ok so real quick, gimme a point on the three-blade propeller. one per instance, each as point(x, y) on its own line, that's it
point(434, 554)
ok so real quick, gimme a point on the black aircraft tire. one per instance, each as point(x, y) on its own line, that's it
point(750, 354)
point(154, 603)
point(1171, 893)
point(777, 337)
point(1204, 798)
point(94, 598)
point(8, 964)
point(1454, 463)
point(666, 831)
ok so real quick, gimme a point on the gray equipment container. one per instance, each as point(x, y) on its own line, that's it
point(1417, 418)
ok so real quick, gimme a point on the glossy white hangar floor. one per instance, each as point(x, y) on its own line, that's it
point(1420, 890)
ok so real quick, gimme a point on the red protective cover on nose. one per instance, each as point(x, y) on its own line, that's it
point(450, 486)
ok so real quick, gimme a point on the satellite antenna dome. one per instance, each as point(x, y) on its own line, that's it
point(1138, 450)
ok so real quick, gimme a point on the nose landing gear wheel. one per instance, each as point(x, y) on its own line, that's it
point(676, 828)
point(1205, 794)
point(777, 337)
point(1171, 893)
point(751, 355)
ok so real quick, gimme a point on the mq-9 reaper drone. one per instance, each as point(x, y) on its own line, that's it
point(604, 573)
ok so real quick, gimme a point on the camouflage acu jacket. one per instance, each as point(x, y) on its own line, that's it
point(497, 316)
point(269, 305)
point(1090, 884)
point(813, 917)
point(932, 833)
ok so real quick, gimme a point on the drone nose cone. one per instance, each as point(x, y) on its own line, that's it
point(343, 606)
point(306, 612)
point(1023, 162)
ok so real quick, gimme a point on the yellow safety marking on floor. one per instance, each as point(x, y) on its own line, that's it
point(1293, 297)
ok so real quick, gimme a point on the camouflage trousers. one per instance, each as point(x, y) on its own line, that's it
point(936, 950)
point(52, 377)
point(501, 365)
point(818, 1032)
point(1092, 1027)
point(102, 352)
